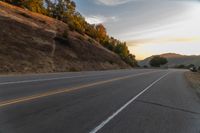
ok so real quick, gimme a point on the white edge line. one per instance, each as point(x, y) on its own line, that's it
point(101, 125)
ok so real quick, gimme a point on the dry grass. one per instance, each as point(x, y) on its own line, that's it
point(28, 17)
point(194, 79)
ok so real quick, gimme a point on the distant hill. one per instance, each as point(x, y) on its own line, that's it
point(175, 60)
point(34, 43)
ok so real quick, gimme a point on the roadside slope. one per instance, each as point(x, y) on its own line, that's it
point(33, 43)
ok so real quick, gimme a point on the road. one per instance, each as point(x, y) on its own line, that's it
point(118, 101)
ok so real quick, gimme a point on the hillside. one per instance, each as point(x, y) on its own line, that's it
point(34, 43)
point(175, 60)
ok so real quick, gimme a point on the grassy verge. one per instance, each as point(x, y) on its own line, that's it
point(194, 80)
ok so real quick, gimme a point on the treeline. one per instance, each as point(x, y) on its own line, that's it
point(65, 10)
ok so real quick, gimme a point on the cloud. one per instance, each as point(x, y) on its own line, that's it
point(99, 19)
point(112, 2)
point(120, 2)
point(94, 19)
point(164, 40)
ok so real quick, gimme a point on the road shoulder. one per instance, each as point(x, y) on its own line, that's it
point(194, 80)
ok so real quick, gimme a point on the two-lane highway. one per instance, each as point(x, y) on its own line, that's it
point(141, 101)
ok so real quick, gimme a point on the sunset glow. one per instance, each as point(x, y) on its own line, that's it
point(164, 26)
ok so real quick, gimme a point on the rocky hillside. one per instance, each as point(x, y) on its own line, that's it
point(33, 43)
point(175, 60)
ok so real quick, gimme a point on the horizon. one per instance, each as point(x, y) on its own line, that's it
point(168, 53)
point(149, 27)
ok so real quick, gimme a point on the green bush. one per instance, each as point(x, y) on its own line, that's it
point(157, 61)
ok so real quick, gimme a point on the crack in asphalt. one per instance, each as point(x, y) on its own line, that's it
point(169, 107)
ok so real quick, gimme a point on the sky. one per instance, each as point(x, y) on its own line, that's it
point(149, 27)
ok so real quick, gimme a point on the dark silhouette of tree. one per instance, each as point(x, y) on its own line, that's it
point(180, 66)
point(157, 61)
point(190, 66)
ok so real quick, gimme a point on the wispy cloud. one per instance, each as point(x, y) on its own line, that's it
point(99, 19)
point(164, 40)
point(148, 26)
point(112, 2)
point(119, 2)
point(94, 19)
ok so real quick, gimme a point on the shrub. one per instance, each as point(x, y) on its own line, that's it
point(111, 62)
point(157, 61)
point(81, 38)
point(91, 40)
point(66, 34)
point(180, 66)
point(145, 66)
point(79, 28)
point(73, 69)
point(71, 26)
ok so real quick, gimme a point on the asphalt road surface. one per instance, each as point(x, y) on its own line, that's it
point(120, 101)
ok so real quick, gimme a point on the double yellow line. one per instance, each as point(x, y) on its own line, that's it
point(50, 93)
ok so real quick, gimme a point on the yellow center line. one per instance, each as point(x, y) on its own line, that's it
point(50, 93)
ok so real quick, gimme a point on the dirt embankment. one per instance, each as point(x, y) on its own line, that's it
point(33, 43)
point(194, 80)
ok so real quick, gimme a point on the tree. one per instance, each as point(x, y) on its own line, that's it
point(190, 66)
point(79, 22)
point(60, 9)
point(35, 6)
point(157, 61)
point(32, 5)
point(15, 2)
point(101, 32)
point(180, 66)
point(130, 59)
point(145, 66)
point(122, 50)
point(91, 31)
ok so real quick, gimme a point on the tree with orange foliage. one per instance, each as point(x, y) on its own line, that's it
point(101, 32)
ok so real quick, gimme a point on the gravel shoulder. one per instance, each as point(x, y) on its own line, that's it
point(194, 80)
